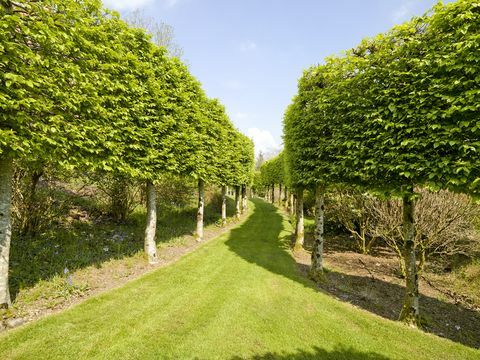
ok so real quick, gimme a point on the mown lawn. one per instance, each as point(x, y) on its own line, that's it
point(239, 296)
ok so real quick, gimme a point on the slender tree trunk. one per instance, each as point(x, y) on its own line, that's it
point(280, 194)
point(224, 205)
point(285, 204)
point(150, 229)
point(410, 310)
point(30, 222)
point(237, 202)
point(6, 175)
point(299, 226)
point(244, 199)
point(273, 193)
point(200, 209)
point(316, 269)
point(291, 207)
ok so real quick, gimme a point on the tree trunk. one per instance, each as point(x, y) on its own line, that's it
point(291, 206)
point(6, 175)
point(200, 209)
point(316, 269)
point(280, 195)
point(224, 205)
point(29, 224)
point(150, 229)
point(285, 204)
point(273, 193)
point(244, 199)
point(299, 226)
point(410, 310)
point(237, 202)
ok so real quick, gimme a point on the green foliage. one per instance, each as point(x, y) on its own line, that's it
point(83, 89)
point(273, 171)
point(308, 132)
point(400, 109)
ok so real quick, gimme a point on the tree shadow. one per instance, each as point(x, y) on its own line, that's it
point(374, 295)
point(339, 353)
point(269, 252)
point(86, 240)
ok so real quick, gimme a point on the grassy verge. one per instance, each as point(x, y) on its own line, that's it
point(240, 296)
point(82, 253)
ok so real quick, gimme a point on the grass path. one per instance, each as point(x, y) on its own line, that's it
point(239, 296)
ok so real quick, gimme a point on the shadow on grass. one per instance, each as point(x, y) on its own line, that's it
point(319, 353)
point(262, 240)
point(84, 242)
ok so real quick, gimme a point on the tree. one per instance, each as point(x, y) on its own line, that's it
point(401, 114)
point(260, 160)
point(162, 34)
point(309, 153)
point(54, 107)
point(83, 89)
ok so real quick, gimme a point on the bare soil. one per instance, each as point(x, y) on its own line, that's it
point(372, 282)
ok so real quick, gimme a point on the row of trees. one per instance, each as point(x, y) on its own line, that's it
point(272, 173)
point(84, 90)
point(397, 112)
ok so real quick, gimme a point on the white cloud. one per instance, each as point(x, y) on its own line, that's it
point(247, 46)
point(263, 140)
point(403, 12)
point(137, 4)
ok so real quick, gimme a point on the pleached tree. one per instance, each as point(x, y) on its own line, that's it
point(400, 112)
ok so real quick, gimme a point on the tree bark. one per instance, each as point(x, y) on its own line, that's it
point(285, 204)
point(224, 205)
point(6, 175)
point(273, 193)
point(200, 209)
point(280, 195)
point(151, 228)
point(316, 269)
point(299, 226)
point(291, 206)
point(30, 223)
point(237, 202)
point(410, 309)
point(244, 199)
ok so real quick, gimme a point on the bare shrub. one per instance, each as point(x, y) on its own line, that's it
point(35, 205)
point(350, 209)
point(445, 225)
point(121, 194)
point(176, 191)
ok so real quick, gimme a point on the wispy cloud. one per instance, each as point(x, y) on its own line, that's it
point(263, 140)
point(137, 4)
point(247, 46)
point(403, 12)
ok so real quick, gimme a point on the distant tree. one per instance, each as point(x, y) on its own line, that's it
point(259, 161)
point(162, 33)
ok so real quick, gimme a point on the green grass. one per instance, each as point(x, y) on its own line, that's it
point(40, 261)
point(238, 296)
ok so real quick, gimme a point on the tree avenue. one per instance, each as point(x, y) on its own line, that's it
point(398, 112)
point(82, 89)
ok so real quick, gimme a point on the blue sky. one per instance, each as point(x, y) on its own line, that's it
point(250, 53)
